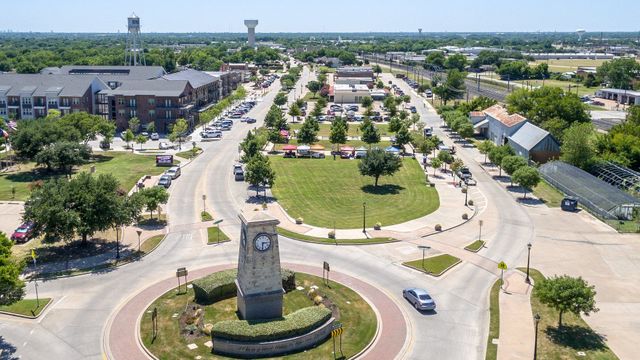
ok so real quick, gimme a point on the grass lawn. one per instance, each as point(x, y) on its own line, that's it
point(327, 144)
point(26, 307)
point(475, 246)
point(151, 243)
point(125, 166)
point(551, 196)
point(435, 265)
point(624, 226)
point(582, 90)
point(494, 321)
point(330, 193)
point(565, 65)
point(214, 233)
point(205, 216)
point(357, 317)
point(190, 154)
point(354, 129)
point(318, 240)
point(575, 335)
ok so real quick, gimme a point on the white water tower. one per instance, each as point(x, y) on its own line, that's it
point(251, 27)
point(134, 52)
point(580, 33)
point(420, 31)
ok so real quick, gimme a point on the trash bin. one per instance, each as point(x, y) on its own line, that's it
point(569, 203)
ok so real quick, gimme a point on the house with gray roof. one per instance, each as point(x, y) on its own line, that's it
point(534, 144)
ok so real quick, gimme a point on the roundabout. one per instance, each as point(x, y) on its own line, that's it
point(123, 334)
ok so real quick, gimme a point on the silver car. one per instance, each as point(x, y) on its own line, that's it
point(419, 298)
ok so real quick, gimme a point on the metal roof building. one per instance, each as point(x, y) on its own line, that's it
point(534, 143)
point(598, 196)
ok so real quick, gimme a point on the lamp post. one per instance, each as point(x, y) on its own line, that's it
point(480, 232)
point(536, 319)
point(527, 280)
point(139, 232)
point(423, 248)
point(466, 194)
point(364, 217)
point(117, 242)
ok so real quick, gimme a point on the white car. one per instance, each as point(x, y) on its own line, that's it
point(155, 136)
point(164, 146)
point(174, 172)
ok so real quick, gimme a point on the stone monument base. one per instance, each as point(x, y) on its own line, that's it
point(252, 350)
point(262, 306)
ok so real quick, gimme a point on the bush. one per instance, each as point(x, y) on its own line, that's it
point(438, 227)
point(205, 216)
point(299, 220)
point(464, 190)
point(221, 285)
point(377, 226)
point(332, 234)
point(465, 216)
point(317, 300)
point(294, 324)
point(470, 202)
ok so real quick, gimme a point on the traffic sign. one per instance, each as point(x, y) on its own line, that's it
point(217, 222)
point(502, 265)
point(336, 332)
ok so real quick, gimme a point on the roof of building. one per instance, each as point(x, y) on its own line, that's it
point(172, 88)
point(115, 72)
point(355, 69)
point(194, 77)
point(476, 114)
point(621, 92)
point(41, 85)
point(502, 115)
point(350, 87)
point(528, 136)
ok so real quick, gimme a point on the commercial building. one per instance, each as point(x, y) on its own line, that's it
point(354, 71)
point(534, 144)
point(622, 96)
point(349, 94)
point(355, 81)
point(563, 56)
point(501, 124)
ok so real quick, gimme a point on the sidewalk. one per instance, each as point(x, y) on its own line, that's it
point(516, 319)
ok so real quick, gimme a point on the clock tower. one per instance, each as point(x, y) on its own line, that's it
point(259, 279)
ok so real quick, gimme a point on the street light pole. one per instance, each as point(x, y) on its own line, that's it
point(117, 242)
point(423, 248)
point(466, 193)
point(527, 280)
point(139, 232)
point(364, 217)
point(480, 233)
point(536, 318)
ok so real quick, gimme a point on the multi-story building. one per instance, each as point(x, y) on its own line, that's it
point(206, 87)
point(28, 96)
point(229, 81)
point(354, 71)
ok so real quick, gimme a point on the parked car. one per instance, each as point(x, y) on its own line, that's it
point(165, 181)
point(211, 134)
point(23, 233)
point(428, 94)
point(155, 136)
point(251, 121)
point(105, 144)
point(238, 172)
point(464, 173)
point(145, 134)
point(174, 172)
point(317, 155)
point(419, 298)
point(164, 146)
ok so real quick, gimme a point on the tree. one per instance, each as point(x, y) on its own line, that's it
point(294, 112)
point(141, 139)
point(379, 84)
point(377, 70)
point(426, 147)
point(11, 286)
point(280, 99)
point(619, 73)
point(578, 146)
point(370, 134)
point(485, 148)
point(567, 294)
point(273, 117)
point(446, 158)
point(259, 173)
point(435, 163)
point(395, 124)
point(498, 153)
point(366, 101)
point(390, 103)
point(129, 137)
point(527, 177)
point(308, 132)
point(151, 127)
point(134, 124)
point(179, 131)
point(338, 133)
point(403, 137)
point(314, 87)
point(152, 197)
point(63, 155)
point(453, 87)
point(456, 165)
point(435, 59)
point(512, 163)
point(456, 61)
point(465, 130)
point(379, 163)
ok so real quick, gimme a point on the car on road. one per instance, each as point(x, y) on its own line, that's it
point(419, 298)
point(428, 94)
point(165, 181)
point(251, 121)
point(211, 134)
point(164, 146)
point(238, 172)
point(155, 136)
point(464, 173)
point(23, 233)
point(174, 172)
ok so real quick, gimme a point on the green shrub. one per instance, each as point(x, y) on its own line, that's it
point(294, 324)
point(221, 285)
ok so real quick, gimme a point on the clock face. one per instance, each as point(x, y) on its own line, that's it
point(262, 242)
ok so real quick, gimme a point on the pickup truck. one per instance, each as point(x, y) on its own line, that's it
point(464, 173)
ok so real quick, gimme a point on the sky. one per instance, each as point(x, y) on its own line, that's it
point(322, 16)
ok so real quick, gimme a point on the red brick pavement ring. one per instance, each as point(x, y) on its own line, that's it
point(121, 338)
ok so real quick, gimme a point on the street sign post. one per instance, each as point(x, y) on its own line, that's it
point(154, 321)
point(502, 266)
point(424, 248)
point(180, 272)
point(325, 268)
point(35, 282)
point(337, 331)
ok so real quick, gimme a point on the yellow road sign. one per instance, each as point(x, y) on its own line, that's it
point(336, 332)
point(502, 265)
point(33, 254)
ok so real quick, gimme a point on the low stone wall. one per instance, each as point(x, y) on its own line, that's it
point(272, 348)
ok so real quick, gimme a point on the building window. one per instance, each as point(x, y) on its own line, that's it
point(152, 101)
point(132, 113)
point(132, 102)
point(152, 113)
point(75, 101)
point(52, 102)
point(3, 111)
point(120, 101)
point(121, 113)
point(167, 102)
point(26, 101)
point(167, 114)
point(27, 111)
point(65, 102)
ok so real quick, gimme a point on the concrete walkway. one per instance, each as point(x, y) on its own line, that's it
point(516, 319)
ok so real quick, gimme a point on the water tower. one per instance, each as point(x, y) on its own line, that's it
point(580, 33)
point(419, 31)
point(134, 54)
point(251, 27)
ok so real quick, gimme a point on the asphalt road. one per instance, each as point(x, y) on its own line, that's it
point(74, 327)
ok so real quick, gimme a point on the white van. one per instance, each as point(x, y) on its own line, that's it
point(174, 172)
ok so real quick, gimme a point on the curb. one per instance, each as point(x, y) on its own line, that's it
point(475, 212)
point(432, 274)
point(27, 316)
point(480, 248)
